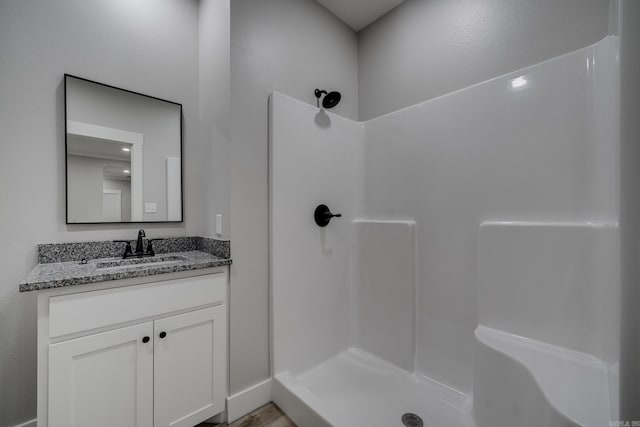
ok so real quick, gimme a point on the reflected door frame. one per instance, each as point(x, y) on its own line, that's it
point(118, 193)
point(119, 136)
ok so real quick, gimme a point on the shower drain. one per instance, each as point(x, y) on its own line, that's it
point(412, 420)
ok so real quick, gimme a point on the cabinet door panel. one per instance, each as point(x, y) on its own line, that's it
point(190, 367)
point(102, 380)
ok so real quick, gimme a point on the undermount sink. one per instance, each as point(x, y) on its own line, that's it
point(146, 262)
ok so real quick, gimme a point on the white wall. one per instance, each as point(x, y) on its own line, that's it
point(543, 152)
point(291, 46)
point(125, 191)
point(147, 45)
point(312, 159)
point(426, 48)
point(384, 290)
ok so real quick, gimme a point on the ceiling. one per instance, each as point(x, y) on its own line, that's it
point(116, 160)
point(98, 148)
point(359, 13)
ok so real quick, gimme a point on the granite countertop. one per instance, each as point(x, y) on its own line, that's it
point(72, 273)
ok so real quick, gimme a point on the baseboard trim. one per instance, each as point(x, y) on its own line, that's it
point(238, 405)
point(30, 423)
point(248, 400)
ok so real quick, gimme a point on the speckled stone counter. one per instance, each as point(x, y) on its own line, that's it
point(75, 251)
point(73, 273)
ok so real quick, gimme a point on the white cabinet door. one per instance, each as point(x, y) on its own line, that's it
point(190, 367)
point(103, 380)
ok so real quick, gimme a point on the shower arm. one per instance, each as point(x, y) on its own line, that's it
point(318, 94)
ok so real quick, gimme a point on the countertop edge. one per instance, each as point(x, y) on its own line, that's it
point(89, 277)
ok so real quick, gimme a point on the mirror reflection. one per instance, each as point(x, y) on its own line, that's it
point(124, 153)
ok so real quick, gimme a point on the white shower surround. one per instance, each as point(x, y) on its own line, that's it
point(530, 158)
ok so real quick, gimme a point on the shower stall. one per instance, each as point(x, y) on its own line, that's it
point(473, 278)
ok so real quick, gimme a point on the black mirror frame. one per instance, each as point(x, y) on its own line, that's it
point(66, 172)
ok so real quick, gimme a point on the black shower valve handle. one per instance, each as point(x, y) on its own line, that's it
point(323, 215)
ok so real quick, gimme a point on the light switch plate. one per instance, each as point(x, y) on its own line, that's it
point(150, 208)
point(219, 224)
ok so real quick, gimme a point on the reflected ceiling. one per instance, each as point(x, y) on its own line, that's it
point(359, 13)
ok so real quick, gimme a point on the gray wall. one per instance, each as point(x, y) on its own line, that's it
point(86, 184)
point(426, 48)
point(291, 46)
point(179, 50)
point(215, 112)
point(147, 45)
point(630, 209)
point(85, 188)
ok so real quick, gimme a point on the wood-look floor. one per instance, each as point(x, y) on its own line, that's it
point(267, 416)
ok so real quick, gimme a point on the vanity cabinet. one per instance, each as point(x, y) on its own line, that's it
point(102, 379)
point(187, 366)
point(142, 355)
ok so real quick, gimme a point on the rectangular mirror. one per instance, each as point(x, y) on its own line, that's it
point(123, 155)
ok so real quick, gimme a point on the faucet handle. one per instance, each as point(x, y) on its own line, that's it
point(150, 246)
point(127, 250)
point(141, 233)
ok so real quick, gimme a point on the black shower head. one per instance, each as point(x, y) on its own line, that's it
point(330, 100)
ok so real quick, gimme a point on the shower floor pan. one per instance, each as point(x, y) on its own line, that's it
point(355, 388)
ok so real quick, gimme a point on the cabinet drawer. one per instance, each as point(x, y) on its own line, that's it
point(85, 311)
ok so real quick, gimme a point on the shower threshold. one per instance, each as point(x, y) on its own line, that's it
point(355, 388)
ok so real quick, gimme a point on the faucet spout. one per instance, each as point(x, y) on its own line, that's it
point(139, 244)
